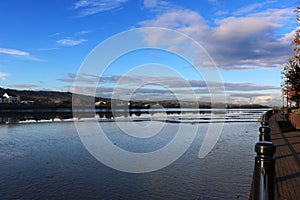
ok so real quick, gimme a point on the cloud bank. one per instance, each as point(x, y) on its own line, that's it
point(167, 87)
point(243, 40)
point(22, 86)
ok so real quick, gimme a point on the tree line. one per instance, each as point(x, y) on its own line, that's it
point(291, 70)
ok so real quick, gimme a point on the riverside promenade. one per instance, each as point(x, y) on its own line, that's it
point(287, 158)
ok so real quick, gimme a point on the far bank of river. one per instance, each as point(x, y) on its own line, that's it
point(201, 115)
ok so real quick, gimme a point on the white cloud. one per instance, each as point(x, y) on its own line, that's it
point(249, 41)
point(236, 42)
point(288, 37)
point(3, 76)
point(175, 19)
point(274, 15)
point(18, 53)
point(233, 29)
point(54, 34)
point(248, 9)
point(14, 52)
point(271, 99)
point(70, 42)
point(186, 21)
point(47, 49)
point(150, 3)
point(157, 5)
point(82, 78)
point(242, 87)
point(90, 7)
point(83, 32)
point(22, 86)
point(221, 12)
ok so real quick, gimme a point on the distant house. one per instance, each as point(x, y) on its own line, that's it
point(6, 96)
point(27, 102)
point(10, 98)
point(98, 103)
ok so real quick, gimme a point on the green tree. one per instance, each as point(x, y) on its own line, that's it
point(291, 80)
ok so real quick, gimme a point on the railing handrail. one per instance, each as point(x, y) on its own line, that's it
point(264, 171)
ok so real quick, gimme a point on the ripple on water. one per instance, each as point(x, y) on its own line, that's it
point(48, 160)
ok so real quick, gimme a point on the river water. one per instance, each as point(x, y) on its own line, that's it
point(47, 160)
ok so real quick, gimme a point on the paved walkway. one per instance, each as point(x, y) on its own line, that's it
point(287, 158)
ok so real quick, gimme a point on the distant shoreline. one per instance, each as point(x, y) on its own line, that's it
point(177, 115)
point(68, 107)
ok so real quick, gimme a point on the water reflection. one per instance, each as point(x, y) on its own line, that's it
point(12, 118)
point(174, 115)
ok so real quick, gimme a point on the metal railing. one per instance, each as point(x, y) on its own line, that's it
point(264, 169)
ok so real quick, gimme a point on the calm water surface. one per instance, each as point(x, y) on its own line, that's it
point(48, 161)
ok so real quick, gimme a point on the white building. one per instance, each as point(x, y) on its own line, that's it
point(10, 99)
point(6, 96)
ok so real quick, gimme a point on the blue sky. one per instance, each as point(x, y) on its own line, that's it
point(44, 43)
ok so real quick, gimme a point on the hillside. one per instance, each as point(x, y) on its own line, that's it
point(30, 95)
point(42, 97)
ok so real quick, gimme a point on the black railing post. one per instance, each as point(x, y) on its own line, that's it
point(264, 122)
point(264, 134)
point(264, 171)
